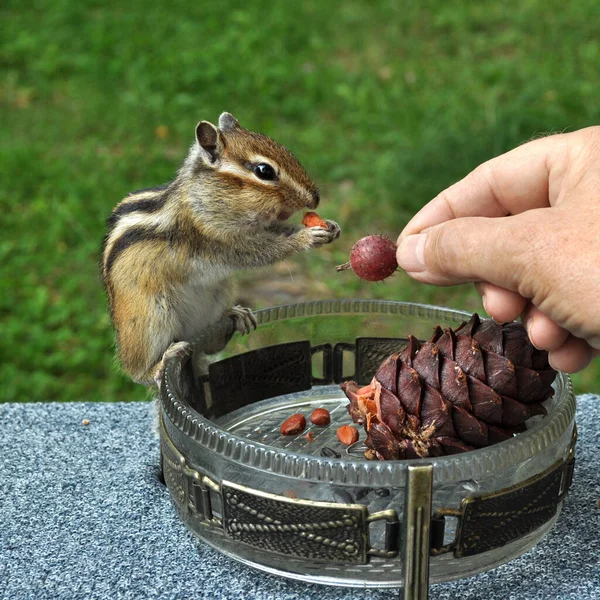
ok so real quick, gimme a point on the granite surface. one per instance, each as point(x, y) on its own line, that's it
point(83, 517)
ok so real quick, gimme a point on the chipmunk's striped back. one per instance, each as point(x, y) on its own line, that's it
point(146, 201)
point(139, 205)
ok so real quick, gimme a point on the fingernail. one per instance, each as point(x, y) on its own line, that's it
point(484, 302)
point(529, 329)
point(411, 253)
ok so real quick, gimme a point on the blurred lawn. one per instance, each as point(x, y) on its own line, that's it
point(385, 103)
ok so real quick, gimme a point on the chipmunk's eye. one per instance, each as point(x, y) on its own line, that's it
point(265, 171)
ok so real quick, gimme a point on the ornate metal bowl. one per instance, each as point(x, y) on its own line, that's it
point(317, 510)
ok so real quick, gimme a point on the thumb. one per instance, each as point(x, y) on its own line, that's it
point(470, 249)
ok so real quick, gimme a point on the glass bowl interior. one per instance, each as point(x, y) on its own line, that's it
point(339, 323)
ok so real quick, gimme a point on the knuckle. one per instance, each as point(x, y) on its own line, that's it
point(580, 148)
point(532, 244)
point(591, 134)
point(440, 249)
point(434, 252)
point(590, 142)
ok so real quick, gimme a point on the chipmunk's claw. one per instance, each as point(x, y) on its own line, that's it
point(177, 349)
point(243, 318)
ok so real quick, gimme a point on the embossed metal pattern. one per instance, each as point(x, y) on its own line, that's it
point(339, 533)
point(322, 531)
point(190, 489)
point(173, 471)
point(496, 519)
point(259, 374)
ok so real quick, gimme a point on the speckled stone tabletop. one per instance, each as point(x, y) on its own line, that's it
point(83, 516)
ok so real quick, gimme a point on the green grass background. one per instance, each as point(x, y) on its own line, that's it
point(385, 103)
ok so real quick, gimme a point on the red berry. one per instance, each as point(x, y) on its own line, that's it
point(372, 258)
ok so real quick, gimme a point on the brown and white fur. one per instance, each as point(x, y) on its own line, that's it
point(170, 252)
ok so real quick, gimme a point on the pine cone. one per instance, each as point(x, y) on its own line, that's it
point(463, 389)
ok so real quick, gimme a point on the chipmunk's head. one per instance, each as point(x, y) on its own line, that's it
point(255, 173)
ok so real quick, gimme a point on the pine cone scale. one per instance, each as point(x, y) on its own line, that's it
point(514, 412)
point(489, 336)
point(427, 364)
point(454, 384)
point(468, 356)
point(436, 412)
point(390, 410)
point(472, 430)
point(454, 446)
point(387, 375)
point(487, 404)
point(382, 438)
point(500, 374)
point(533, 384)
point(497, 435)
point(409, 389)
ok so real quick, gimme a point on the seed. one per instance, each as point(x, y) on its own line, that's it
point(85, 422)
point(320, 417)
point(330, 452)
point(295, 424)
point(347, 434)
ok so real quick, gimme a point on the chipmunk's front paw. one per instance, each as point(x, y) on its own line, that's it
point(319, 235)
point(177, 349)
point(243, 318)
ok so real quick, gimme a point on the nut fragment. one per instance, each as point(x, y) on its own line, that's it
point(320, 417)
point(293, 425)
point(312, 219)
point(85, 421)
point(347, 434)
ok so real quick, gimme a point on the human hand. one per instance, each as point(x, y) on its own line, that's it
point(525, 228)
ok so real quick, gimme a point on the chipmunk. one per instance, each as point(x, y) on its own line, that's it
point(170, 252)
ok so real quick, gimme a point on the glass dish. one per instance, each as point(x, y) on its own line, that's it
point(220, 440)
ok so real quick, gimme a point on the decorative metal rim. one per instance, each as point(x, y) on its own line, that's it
point(510, 453)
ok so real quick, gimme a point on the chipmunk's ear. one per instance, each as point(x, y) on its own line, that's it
point(227, 122)
point(209, 140)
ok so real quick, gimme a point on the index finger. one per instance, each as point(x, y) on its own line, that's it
point(506, 185)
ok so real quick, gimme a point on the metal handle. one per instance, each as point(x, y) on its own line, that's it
point(416, 532)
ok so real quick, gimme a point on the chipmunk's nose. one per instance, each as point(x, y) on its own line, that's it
point(315, 199)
